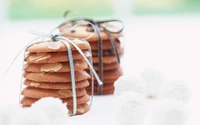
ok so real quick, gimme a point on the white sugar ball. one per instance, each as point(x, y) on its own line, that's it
point(154, 80)
point(130, 83)
point(29, 116)
point(177, 90)
point(56, 111)
point(169, 113)
point(7, 112)
point(129, 109)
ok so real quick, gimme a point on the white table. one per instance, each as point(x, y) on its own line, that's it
point(169, 44)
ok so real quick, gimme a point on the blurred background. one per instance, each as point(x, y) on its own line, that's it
point(37, 9)
point(160, 34)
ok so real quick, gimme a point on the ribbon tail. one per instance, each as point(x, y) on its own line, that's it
point(100, 56)
point(92, 80)
point(85, 58)
point(113, 42)
point(72, 77)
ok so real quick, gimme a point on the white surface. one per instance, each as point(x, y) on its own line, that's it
point(169, 44)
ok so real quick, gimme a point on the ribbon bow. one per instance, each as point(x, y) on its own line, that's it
point(67, 42)
point(100, 26)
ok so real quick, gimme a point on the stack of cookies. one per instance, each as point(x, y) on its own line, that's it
point(47, 74)
point(111, 67)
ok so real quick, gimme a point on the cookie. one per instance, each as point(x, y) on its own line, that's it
point(111, 75)
point(105, 46)
point(105, 87)
point(42, 93)
point(105, 81)
point(86, 31)
point(106, 59)
point(80, 100)
point(54, 57)
point(56, 77)
point(57, 46)
point(109, 52)
point(61, 85)
point(55, 67)
point(81, 109)
point(107, 92)
point(106, 67)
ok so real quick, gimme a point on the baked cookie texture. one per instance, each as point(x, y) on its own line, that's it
point(47, 73)
point(111, 68)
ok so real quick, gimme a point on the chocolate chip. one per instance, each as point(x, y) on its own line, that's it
point(90, 29)
point(73, 31)
point(110, 51)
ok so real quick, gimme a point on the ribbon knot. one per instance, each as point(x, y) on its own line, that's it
point(67, 42)
point(106, 26)
point(54, 37)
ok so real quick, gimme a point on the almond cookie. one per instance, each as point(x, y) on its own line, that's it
point(56, 77)
point(54, 57)
point(55, 67)
point(26, 101)
point(85, 31)
point(57, 85)
point(81, 109)
point(42, 93)
point(57, 46)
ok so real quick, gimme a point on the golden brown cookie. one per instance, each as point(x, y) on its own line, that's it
point(80, 100)
point(54, 57)
point(56, 77)
point(111, 75)
point(42, 93)
point(105, 81)
point(105, 46)
point(105, 92)
point(105, 87)
point(106, 59)
point(55, 67)
point(81, 109)
point(61, 85)
point(109, 52)
point(107, 67)
point(85, 31)
point(57, 46)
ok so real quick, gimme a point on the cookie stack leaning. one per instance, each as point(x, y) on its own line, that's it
point(47, 74)
point(111, 68)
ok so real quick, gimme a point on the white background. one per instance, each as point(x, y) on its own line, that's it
point(169, 44)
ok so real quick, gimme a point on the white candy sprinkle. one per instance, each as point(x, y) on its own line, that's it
point(169, 113)
point(129, 109)
point(56, 111)
point(130, 83)
point(177, 90)
point(154, 80)
point(29, 116)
